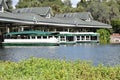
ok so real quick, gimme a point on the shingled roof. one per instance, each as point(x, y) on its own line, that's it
point(80, 15)
point(22, 18)
point(76, 22)
point(82, 19)
point(33, 16)
point(36, 10)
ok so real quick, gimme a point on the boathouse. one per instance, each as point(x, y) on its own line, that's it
point(43, 19)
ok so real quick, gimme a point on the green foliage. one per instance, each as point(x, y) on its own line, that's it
point(67, 3)
point(99, 11)
point(114, 12)
point(116, 26)
point(54, 4)
point(83, 3)
point(104, 36)
point(46, 69)
point(102, 11)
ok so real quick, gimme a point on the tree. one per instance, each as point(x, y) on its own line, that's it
point(116, 26)
point(56, 9)
point(83, 3)
point(114, 12)
point(56, 5)
point(27, 3)
point(104, 36)
point(100, 11)
point(78, 9)
point(118, 2)
point(66, 9)
point(67, 3)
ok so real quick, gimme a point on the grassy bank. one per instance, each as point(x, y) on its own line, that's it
point(45, 69)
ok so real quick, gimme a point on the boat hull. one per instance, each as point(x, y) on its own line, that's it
point(30, 44)
point(67, 43)
point(92, 41)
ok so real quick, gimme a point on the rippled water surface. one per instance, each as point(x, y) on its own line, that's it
point(105, 54)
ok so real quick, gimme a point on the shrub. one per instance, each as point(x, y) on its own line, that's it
point(46, 69)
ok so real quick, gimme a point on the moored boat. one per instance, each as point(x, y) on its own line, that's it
point(78, 37)
point(30, 38)
point(87, 37)
point(66, 38)
point(39, 38)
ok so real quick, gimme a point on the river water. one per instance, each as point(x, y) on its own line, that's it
point(97, 54)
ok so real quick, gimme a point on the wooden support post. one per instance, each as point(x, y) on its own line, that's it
point(7, 29)
point(22, 28)
point(89, 38)
point(68, 30)
point(75, 38)
point(65, 39)
point(85, 38)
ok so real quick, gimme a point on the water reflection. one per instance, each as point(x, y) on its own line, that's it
point(105, 54)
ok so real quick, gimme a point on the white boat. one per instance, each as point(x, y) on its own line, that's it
point(30, 38)
point(78, 37)
point(38, 38)
point(87, 37)
point(66, 38)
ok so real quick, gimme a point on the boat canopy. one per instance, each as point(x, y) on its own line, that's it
point(94, 34)
point(78, 34)
point(41, 33)
point(32, 33)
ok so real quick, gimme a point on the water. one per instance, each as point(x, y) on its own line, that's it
point(98, 54)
